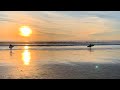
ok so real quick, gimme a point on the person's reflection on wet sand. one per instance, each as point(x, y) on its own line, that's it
point(10, 53)
point(90, 50)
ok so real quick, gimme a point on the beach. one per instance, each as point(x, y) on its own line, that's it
point(60, 62)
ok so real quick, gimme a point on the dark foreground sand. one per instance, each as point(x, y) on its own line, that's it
point(62, 71)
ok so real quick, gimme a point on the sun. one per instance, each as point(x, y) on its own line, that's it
point(25, 31)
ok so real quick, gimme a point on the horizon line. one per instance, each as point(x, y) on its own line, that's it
point(57, 41)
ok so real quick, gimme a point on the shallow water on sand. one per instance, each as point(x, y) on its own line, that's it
point(58, 62)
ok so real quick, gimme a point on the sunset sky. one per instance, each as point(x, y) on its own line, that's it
point(60, 25)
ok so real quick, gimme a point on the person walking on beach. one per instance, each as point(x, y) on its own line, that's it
point(11, 46)
point(90, 45)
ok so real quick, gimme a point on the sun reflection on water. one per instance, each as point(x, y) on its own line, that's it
point(26, 56)
point(26, 47)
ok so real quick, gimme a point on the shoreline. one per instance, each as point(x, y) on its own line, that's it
point(58, 45)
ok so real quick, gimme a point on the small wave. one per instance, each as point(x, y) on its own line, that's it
point(66, 48)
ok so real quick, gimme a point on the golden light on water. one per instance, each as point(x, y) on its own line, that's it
point(26, 56)
point(26, 47)
point(25, 31)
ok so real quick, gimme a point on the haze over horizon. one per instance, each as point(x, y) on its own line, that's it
point(59, 25)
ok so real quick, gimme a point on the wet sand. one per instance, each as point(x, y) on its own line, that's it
point(63, 71)
point(101, 62)
point(84, 71)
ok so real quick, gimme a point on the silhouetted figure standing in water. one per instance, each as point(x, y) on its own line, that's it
point(11, 46)
point(90, 45)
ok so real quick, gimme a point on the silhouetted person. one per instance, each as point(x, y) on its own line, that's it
point(90, 45)
point(11, 46)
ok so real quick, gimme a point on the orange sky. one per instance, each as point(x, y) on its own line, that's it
point(54, 26)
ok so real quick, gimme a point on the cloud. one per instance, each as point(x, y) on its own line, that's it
point(56, 23)
point(66, 25)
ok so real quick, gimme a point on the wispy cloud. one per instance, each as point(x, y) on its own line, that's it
point(68, 25)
